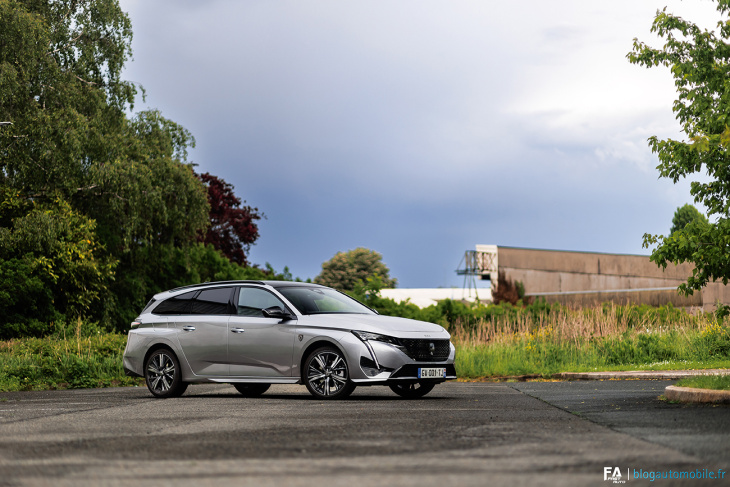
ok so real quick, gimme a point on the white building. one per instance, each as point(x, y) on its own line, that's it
point(424, 298)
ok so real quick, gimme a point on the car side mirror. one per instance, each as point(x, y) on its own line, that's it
point(276, 312)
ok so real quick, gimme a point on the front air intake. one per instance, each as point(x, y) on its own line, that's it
point(424, 350)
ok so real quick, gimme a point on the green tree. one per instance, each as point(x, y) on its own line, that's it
point(60, 85)
point(51, 268)
point(76, 167)
point(99, 206)
point(346, 269)
point(700, 64)
point(684, 216)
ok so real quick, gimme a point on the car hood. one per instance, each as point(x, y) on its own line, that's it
point(385, 325)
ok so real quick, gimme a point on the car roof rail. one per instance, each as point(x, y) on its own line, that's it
point(215, 283)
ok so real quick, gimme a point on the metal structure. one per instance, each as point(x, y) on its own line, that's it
point(481, 262)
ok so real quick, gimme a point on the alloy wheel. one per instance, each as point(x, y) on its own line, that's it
point(326, 374)
point(162, 375)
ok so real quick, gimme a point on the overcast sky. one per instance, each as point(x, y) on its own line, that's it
point(420, 128)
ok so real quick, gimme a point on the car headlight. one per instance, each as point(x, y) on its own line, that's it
point(367, 336)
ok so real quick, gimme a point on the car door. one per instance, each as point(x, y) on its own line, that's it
point(259, 346)
point(203, 331)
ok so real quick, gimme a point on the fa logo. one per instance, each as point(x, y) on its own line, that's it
point(612, 473)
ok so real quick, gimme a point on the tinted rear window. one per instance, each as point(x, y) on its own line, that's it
point(212, 302)
point(178, 305)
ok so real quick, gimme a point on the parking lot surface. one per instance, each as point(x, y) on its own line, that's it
point(460, 434)
point(631, 406)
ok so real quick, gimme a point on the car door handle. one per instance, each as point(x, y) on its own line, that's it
point(189, 328)
point(237, 330)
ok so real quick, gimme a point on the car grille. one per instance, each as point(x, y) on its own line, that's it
point(422, 351)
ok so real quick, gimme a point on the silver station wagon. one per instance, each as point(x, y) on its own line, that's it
point(252, 334)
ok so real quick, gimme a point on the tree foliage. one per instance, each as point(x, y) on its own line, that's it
point(508, 291)
point(232, 227)
point(684, 216)
point(60, 66)
point(700, 64)
point(346, 269)
point(50, 265)
point(99, 209)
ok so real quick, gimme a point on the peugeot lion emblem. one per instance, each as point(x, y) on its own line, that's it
point(431, 348)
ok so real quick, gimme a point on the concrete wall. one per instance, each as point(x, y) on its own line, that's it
point(585, 278)
point(714, 293)
point(653, 298)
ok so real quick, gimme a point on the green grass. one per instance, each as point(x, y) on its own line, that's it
point(507, 361)
point(61, 362)
point(721, 382)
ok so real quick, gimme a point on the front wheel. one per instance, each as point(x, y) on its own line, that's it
point(163, 375)
point(412, 390)
point(326, 374)
point(251, 390)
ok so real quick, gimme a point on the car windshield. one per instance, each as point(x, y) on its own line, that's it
point(316, 300)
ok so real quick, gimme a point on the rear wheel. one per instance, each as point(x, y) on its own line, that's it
point(326, 374)
point(251, 390)
point(163, 375)
point(412, 390)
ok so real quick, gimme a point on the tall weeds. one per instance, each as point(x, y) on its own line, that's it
point(560, 339)
point(562, 324)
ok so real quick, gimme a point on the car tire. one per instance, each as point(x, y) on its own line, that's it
point(251, 390)
point(412, 390)
point(163, 375)
point(326, 375)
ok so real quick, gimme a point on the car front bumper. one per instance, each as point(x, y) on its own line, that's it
point(377, 363)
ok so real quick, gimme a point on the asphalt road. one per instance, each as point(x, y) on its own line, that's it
point(460, 434)
point(630, 406)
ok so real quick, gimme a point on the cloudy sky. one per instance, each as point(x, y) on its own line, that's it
point(420, 128)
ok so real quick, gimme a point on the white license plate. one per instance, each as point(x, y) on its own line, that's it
point(432, 373)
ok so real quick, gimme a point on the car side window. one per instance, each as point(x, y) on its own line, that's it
point(212, 302)
point(251, 302)
point(177, 305)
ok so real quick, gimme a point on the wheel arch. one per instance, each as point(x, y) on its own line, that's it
point(314, 345)
point(187, 372)
point(177, 386)
point(157, 346)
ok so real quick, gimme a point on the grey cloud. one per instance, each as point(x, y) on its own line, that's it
point(415, 128)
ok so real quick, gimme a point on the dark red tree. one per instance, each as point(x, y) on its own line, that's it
point(232, 227)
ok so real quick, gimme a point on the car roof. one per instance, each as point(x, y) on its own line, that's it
point(277, 284)
point(213, 283)
point(203, 285)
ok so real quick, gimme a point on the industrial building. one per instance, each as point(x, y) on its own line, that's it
point(588, 278)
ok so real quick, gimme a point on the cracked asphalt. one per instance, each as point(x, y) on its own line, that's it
point(535, 433)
